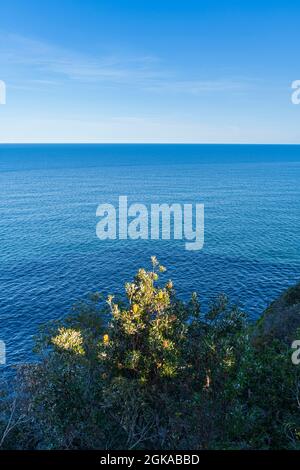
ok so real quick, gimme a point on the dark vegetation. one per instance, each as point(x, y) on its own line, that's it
point(152, 372)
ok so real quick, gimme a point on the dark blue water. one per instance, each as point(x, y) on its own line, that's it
point(50, 255)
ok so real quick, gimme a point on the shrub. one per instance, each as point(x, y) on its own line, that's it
point(152, 372)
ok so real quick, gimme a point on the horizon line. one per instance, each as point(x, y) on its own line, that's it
point(152, 143)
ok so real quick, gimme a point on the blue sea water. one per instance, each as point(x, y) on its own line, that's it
point(50, 256)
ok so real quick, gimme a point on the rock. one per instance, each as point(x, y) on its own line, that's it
point(281, 319)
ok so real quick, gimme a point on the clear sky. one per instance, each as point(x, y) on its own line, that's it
point(149, 71)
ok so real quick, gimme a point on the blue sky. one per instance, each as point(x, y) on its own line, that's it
point(149, 71)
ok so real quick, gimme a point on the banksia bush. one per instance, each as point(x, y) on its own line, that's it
point(148, 335)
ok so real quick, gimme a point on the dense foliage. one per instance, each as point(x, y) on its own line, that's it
point(152, 372)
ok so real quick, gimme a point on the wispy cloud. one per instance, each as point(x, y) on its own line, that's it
point(197, 87)
point(53, 64)
point(24, 52)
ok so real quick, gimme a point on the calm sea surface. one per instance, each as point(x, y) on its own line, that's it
point(50, 256)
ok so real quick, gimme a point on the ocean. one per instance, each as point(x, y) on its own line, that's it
point(50, 256)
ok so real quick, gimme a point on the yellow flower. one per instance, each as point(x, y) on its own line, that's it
point(135, 308)
point(105, 339)
point(166, 344)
